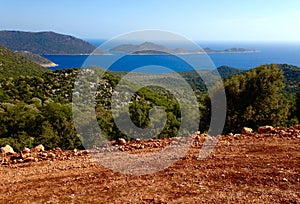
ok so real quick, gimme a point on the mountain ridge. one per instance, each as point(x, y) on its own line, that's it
point(45, 42)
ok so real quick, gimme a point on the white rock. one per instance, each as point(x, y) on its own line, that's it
point(7, 149)
point(39, 148)
point(265, 129)
point(247, 130)
point(26, 150)
point(121, 141)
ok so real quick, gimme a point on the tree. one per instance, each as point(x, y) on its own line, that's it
point(256, 98)
point(297, 109)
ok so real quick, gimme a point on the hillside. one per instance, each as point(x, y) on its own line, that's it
point(44, 43)
point(13, 65)
point(36, 58)
point(291, 74)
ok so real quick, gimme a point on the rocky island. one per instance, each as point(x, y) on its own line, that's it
point(149, 48)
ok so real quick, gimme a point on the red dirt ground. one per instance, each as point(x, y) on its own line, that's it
point(254, 168)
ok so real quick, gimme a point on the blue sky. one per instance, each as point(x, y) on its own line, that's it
point(207, 20)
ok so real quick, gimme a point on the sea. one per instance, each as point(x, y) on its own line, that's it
point(267, 53)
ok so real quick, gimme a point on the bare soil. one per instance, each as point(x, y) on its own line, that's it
point(253, 168)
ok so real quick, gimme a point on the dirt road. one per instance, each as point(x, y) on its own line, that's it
point(254, 168)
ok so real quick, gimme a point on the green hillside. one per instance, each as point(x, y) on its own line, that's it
point(36, 58)
point(13, 65)
point(44, 43)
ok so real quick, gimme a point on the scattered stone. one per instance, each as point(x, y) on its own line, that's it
point(121, 141)
point(43, 154)
point(7, 149)
point(51, 155)
point(29, 159)
point(25, 155)
point(26, 150)
point(284, 180)
point(247, 130)
point(39, 148)
point(265, 129)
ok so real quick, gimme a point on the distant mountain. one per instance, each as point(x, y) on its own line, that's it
point(149, 48)
point(45, 43)
point(37, 58)
point(13, 65)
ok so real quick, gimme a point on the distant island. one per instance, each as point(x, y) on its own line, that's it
point(149, 48)
point(46, 43)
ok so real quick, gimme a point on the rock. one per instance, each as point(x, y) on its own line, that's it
point(7, 149)
point(25, 155)
point(284, 180)
point(121, 141)
point(26, 150)
point(265, 129)
point(247, 130)
point(39, 148)
point(29, 159)
point(230, 134)
point(51, 155)
point(42, 154)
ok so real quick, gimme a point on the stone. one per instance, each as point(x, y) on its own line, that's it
point(51, 155)
point(29, 159)
point(247, 130)
point(121, 141)
point(265, 129)
point(25, 155)
point(284, 180)
point(26, 150)
point(7, 149)
point(39, 148)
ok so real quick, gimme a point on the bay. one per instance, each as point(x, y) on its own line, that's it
point(278, 53)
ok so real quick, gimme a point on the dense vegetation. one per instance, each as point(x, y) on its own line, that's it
point(258, 98)
point(12, 65)
point(44, 43)
point(37, 109)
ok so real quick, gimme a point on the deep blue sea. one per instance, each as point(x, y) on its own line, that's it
point(279, 53)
